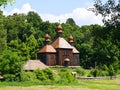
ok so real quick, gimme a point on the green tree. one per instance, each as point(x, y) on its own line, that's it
point(32, 46)
point(3, 34)
point(111, 32)
point(10, 65)
point(111, 9)
point(16, 27)
point(34, 19)
point(70, 21)
point(24, 51)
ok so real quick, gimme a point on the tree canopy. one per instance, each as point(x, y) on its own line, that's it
point(5, 2)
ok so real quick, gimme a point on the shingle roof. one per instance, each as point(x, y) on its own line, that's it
point(75, 50)
point(47, 48)
point(33, 65)
point(61, 43)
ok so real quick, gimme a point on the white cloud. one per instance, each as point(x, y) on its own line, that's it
point(80, 15)
point(25, 9)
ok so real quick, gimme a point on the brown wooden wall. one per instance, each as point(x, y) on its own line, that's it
point(42, 57)
point(51, 59)
point(76, 61)
point(63, 54)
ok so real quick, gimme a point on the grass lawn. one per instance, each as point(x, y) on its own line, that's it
point(101, 84)
point(83, 85)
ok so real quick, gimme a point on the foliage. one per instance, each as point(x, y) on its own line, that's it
point(66, 77)
point(5, 2)
point(110, 40)
point(70, 21)
point(98, 72)
point(103, 71)
point(49, 74)
point(10, 65)
point(80, 71)
point(40, 75)
point(3, 34)
point(28, 76)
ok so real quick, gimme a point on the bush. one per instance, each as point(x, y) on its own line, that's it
point(80, 71)
point(40, 75)
point(49, 74)
point(28, 76)
point(99, 72)
point(66, 77)
point(111, 71)
point(9, 77)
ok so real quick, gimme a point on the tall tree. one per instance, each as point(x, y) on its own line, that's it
point(110, 40)
point(70, 21)
point(111, 18)
point(32, 46)
point(3, 34)
point(34, 19)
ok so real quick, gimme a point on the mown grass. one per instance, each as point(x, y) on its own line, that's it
point(102, 84)
point(83, 85)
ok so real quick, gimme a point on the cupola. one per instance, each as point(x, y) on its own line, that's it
point(47, 39)
point(59, 31)
point(70, 40)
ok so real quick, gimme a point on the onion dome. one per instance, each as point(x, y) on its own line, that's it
point(70, 38)
point(47, 37)
point(59, 28)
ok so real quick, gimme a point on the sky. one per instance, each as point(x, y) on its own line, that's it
point(55, 10)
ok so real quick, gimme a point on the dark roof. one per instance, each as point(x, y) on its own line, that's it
point(33, 65)
point(47, 48)
point(61, 43)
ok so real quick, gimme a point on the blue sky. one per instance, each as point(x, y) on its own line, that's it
point(55, 10)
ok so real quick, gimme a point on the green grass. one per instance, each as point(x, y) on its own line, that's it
point(83, 85)
point(102, 84)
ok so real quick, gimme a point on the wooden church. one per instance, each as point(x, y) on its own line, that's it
point(60, 52)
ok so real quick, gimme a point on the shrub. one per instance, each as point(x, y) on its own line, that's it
point(49, 74)
point(66, 77)
point(95, 72)
point(28, 76)
point(111, 71)
point(80, 71)
point(9, 77)
point(40, 75)
point(99, 72)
